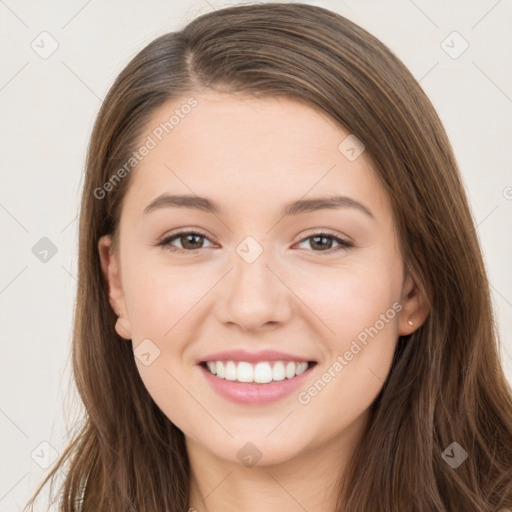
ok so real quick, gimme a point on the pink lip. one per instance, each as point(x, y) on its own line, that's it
point(250, 357)
point(253, 393)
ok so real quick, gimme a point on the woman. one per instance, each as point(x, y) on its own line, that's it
point(282, 303)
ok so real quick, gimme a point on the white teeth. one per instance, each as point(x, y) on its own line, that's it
point(278, 372)
point(261, 373)
point(301, 368)
point(290, 370)
point(245, 372)
point(230, 373)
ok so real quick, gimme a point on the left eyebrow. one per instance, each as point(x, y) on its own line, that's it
point(293, 208)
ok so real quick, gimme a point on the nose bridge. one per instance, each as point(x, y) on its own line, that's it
point(255, 296)
point(251, 274)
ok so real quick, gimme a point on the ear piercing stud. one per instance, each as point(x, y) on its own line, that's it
point(409, 322)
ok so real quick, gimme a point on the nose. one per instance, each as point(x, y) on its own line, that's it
point(254, 296)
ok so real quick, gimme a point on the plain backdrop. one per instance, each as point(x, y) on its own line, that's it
point(59, 59)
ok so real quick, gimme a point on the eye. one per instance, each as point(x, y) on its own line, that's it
point(324, 241)
point(190, 241)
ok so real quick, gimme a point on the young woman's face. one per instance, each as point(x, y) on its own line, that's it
point(271, 275)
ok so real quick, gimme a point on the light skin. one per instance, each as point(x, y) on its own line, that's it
point(300, 296)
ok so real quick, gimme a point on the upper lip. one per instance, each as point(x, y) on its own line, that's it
point(245, 355)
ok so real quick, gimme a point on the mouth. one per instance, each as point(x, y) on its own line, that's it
point(262, 372)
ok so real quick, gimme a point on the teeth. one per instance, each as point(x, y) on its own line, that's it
point(261, 373)
point(290, 370)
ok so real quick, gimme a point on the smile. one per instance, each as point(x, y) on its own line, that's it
point(255, 383)
point(261, 373)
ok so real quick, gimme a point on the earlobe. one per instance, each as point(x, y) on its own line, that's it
point(123, 328)
point(111, 273)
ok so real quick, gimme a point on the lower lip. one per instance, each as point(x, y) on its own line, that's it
point(253, 393)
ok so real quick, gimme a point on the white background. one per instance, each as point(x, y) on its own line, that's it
point(47, 110)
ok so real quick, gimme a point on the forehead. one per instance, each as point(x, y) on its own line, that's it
point(239, 150)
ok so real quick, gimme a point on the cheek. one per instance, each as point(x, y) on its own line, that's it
point(364, 316)
point(351, 297)
point(159, 297)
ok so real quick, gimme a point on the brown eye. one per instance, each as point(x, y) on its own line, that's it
point(323, 242)
point(189, 241)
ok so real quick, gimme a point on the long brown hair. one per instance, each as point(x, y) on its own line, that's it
point(446, 383)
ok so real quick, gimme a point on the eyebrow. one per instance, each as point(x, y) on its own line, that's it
point(292, 208)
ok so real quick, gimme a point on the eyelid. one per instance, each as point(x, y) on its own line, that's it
point(165, 239)
point(343, 243)
point(320, 231)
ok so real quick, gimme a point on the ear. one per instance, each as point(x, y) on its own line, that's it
point(415, 306)
point(111, 273)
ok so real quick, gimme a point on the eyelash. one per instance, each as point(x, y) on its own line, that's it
point(343, 244)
